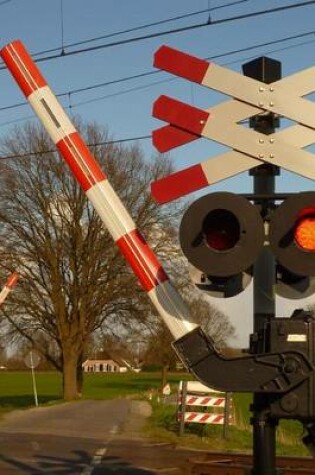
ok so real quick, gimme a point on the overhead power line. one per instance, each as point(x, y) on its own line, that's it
point(221, 55)
point(98, 144)
point(140, 27)
point(176, 30)
point(150, 73)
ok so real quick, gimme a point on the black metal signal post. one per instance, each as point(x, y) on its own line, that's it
point(279, 367)
point(264, 276)
point(229, 238)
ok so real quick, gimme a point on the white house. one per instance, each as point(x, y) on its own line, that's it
point(103, 366)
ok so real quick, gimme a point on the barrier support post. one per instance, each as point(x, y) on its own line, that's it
point(226, 415)
point(183, 408)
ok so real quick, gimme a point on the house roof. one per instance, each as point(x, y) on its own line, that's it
point(103, 361)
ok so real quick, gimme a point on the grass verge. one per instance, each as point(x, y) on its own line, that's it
point(16, 392)
point(163, 426)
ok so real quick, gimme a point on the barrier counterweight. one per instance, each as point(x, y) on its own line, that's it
point(99, 191)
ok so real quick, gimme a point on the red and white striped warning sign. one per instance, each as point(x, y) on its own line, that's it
point(205, 401)
point(204, 418)
point(218, 404)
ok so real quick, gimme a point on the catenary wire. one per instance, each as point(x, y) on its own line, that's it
point(150, 73)
point(136, 88)
point(175, 30)
point(98, 144)
point(137, 28)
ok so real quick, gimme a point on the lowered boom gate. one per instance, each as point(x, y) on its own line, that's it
point(227, 238)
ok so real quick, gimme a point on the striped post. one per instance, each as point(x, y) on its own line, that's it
point(8, 286)
point(95, 184)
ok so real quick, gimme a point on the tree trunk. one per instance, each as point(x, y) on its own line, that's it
point(70, 388)
point(80, 375)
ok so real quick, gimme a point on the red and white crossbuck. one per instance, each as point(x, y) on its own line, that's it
point(221, 123)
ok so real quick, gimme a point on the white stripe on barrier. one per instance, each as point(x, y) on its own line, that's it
point(50, 112)
point(110, 209)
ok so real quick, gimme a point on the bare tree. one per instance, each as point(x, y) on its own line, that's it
point(212, 320)
point(73, 279)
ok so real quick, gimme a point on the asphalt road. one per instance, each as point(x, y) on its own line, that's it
point(85, 438)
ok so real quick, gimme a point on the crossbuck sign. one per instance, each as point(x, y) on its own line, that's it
point(221, 123)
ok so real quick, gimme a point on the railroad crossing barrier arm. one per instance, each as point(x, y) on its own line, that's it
point(264, 373)
point(151, 275)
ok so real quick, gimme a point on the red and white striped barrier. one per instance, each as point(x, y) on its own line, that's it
point(94, 182)
point(8, 286)
point(204, 418)
point(205, 401)
point(218, 404)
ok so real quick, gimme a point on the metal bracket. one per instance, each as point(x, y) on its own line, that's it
point(264, 373)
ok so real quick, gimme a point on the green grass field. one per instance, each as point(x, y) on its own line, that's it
point(16, 389)
point(16, 392)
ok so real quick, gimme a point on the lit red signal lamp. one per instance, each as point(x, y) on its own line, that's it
point(222, 235)
point(304, 232)
point(292, 240)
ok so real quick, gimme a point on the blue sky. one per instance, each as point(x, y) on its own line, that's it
point(125, 107)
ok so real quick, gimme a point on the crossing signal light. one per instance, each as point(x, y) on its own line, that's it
point(292, 240)
point(304, 232)
point(221, 234)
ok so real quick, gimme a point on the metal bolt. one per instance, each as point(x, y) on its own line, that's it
point(271, 155)
point(261, 104)
point(271, 140)
point(201, 122)
point(271, 89)
point(261, 141)
point(261, 89)
point(261, 155)
point(271, 104)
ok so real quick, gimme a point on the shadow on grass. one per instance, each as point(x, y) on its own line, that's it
point(24, 401)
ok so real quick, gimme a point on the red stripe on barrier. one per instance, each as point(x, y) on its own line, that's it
point(180, 114)
point(12, 280)
point(79, 158)
point(191, 401)
point(179, 184)
point(206, 400)
point(23, 69)
point(219, 402)
point(143, 261)
point(168, 137)
point(181, 64)
point(218, 419)
point(192, 416)
point(205, 418)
